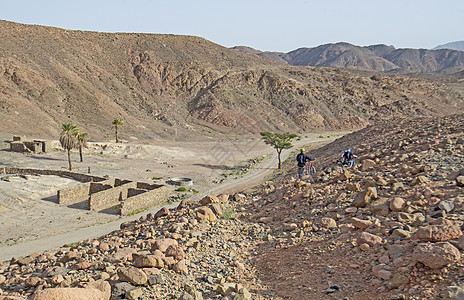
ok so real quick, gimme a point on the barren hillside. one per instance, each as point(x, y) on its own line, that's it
point(380, 58)
point(388, 228)
point(168, 85)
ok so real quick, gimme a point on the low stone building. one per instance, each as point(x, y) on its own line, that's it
point(100, 193)
point(35, 146)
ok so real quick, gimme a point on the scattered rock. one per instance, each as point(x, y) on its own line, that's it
point(437, 255)
point(132, 275)
point(370, 239)
point(437, 233)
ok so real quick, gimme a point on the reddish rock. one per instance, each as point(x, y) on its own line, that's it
point(460, 181)
point(437, 233)
point(367, 164)
point(147, 261)
point(71, 255)
point(175, 251)
point(209, 199)
point(370, 239)
point(124, 253)
point(364, 197)
point(57, 279)
point(360, 224)
point(436, 255)
point(205, 213)
point(397, 204)
point(162, 212)
point(352, 187)
point(32, 282)
point(132, 275)
point(266, 220)
point(101, 285)
point(180, 267)
point(364, 247)
point(103, 246)
point(328, 223)
point(163, 244)
point(93, 291)
point(82, 265)
point(223, 198)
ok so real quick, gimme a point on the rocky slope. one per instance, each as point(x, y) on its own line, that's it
point(166, 86)
point(388, 228)
point(380, 58)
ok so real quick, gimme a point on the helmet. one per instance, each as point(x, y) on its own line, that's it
point(302, 150)
point(349, 150)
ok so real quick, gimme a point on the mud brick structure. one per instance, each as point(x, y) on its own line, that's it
point(100, 193)
point(36, 146)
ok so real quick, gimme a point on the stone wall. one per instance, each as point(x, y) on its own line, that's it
point(62, 173)
point(144, 200)
point(74, 194)
point(110, 197)
point(17, 146)
point(101, 193)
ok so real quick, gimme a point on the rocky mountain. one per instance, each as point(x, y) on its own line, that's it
point(387, 228)
point(169, 86)
point(459, 45)
point(380, 58)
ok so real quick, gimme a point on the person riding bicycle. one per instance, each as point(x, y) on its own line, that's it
point(347, 158)
point(302, 159)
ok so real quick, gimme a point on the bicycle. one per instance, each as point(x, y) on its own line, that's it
point(310, 168)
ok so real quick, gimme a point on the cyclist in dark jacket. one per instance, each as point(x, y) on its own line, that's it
point(347, 158)
point(302, 159)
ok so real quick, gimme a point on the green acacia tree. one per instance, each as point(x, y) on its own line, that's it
point(279, 141)
point(116, 123)
point(81, 138)
point(68, 139)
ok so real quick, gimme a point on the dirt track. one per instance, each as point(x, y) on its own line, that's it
point(38, 223)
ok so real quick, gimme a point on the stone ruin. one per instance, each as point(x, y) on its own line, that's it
point(100, 193)
point(35, 146)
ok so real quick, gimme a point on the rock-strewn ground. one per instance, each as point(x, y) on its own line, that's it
point(388, 228)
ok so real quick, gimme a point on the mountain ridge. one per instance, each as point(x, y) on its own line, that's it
point(176, 87)
point(380, 58)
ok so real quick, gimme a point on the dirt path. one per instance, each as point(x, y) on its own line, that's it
point(101, 226)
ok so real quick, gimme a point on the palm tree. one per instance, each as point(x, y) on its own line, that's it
point(82, 142)
point(116, 123)
point(68, 139)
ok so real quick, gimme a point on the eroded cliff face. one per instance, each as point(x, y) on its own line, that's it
point(161, 84)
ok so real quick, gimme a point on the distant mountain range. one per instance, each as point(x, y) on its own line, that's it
point(459, 45)
point(380, 58)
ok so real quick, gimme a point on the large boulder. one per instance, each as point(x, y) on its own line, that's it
point(99, 290)
point(436, 255)
point(437, 233)
point(147, 261)
point(132, 275)
point(363, 198)
point(205, 213)
point(163, 244)
point(208, 199)
point(370, 239)
point(360, 224)
point(175, 251)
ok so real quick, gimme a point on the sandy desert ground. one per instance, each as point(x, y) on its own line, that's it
point(32, 220)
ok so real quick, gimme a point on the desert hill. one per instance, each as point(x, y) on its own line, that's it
point(166, 86)
point(387, 228)
point(381, 58)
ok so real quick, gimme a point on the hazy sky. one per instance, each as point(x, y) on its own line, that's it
point(262, 24)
